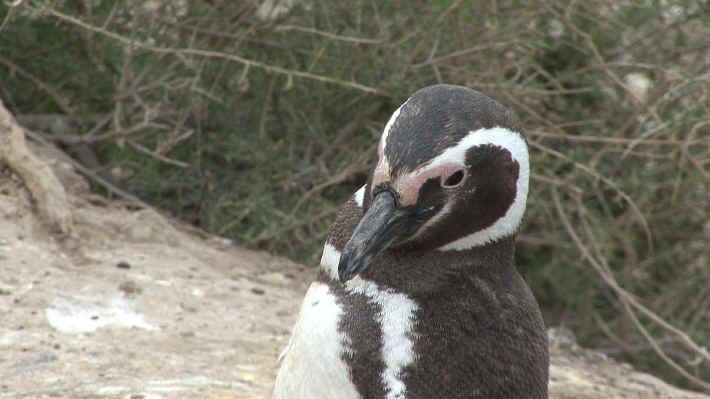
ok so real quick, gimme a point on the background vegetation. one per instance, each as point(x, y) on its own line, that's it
point(254, 120)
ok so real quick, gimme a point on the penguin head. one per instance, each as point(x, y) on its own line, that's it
point(451, 173)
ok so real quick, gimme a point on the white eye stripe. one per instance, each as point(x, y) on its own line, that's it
point(508, 223)
point(498, 136)
point(388, 127)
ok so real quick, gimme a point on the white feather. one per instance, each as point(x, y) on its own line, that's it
point(329, 260)
point(359, 196)
point(384, 162)
point(396, 319)
point(388, 126)
point(312, 366)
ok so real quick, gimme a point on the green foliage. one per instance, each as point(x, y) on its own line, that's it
point(614, 96)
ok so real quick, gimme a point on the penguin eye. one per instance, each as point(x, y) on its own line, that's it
point(455, 179)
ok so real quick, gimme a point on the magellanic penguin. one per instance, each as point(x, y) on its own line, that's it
point(417, 295)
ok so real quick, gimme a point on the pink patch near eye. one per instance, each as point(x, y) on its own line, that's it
point(408, 185)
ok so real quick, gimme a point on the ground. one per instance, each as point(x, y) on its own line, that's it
point(133, 305)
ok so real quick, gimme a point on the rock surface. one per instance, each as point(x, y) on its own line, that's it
point(134, 306)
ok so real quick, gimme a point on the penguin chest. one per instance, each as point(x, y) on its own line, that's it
point(312, 364)
point(349, 343)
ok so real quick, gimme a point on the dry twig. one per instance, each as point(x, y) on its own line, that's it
point(629, 301)
point(213, 54)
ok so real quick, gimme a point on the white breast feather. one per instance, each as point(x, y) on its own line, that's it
point(396, 320)
point(311, 367)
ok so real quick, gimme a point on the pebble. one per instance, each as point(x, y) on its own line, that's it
point(123, 265)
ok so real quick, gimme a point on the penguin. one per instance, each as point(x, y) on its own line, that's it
point(417, 295)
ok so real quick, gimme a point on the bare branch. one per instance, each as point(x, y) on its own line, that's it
point(348, 39)
point(214, 54)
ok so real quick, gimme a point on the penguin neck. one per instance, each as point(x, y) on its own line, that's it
point(426, 272)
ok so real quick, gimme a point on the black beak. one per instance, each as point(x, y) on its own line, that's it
point(381, 225)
